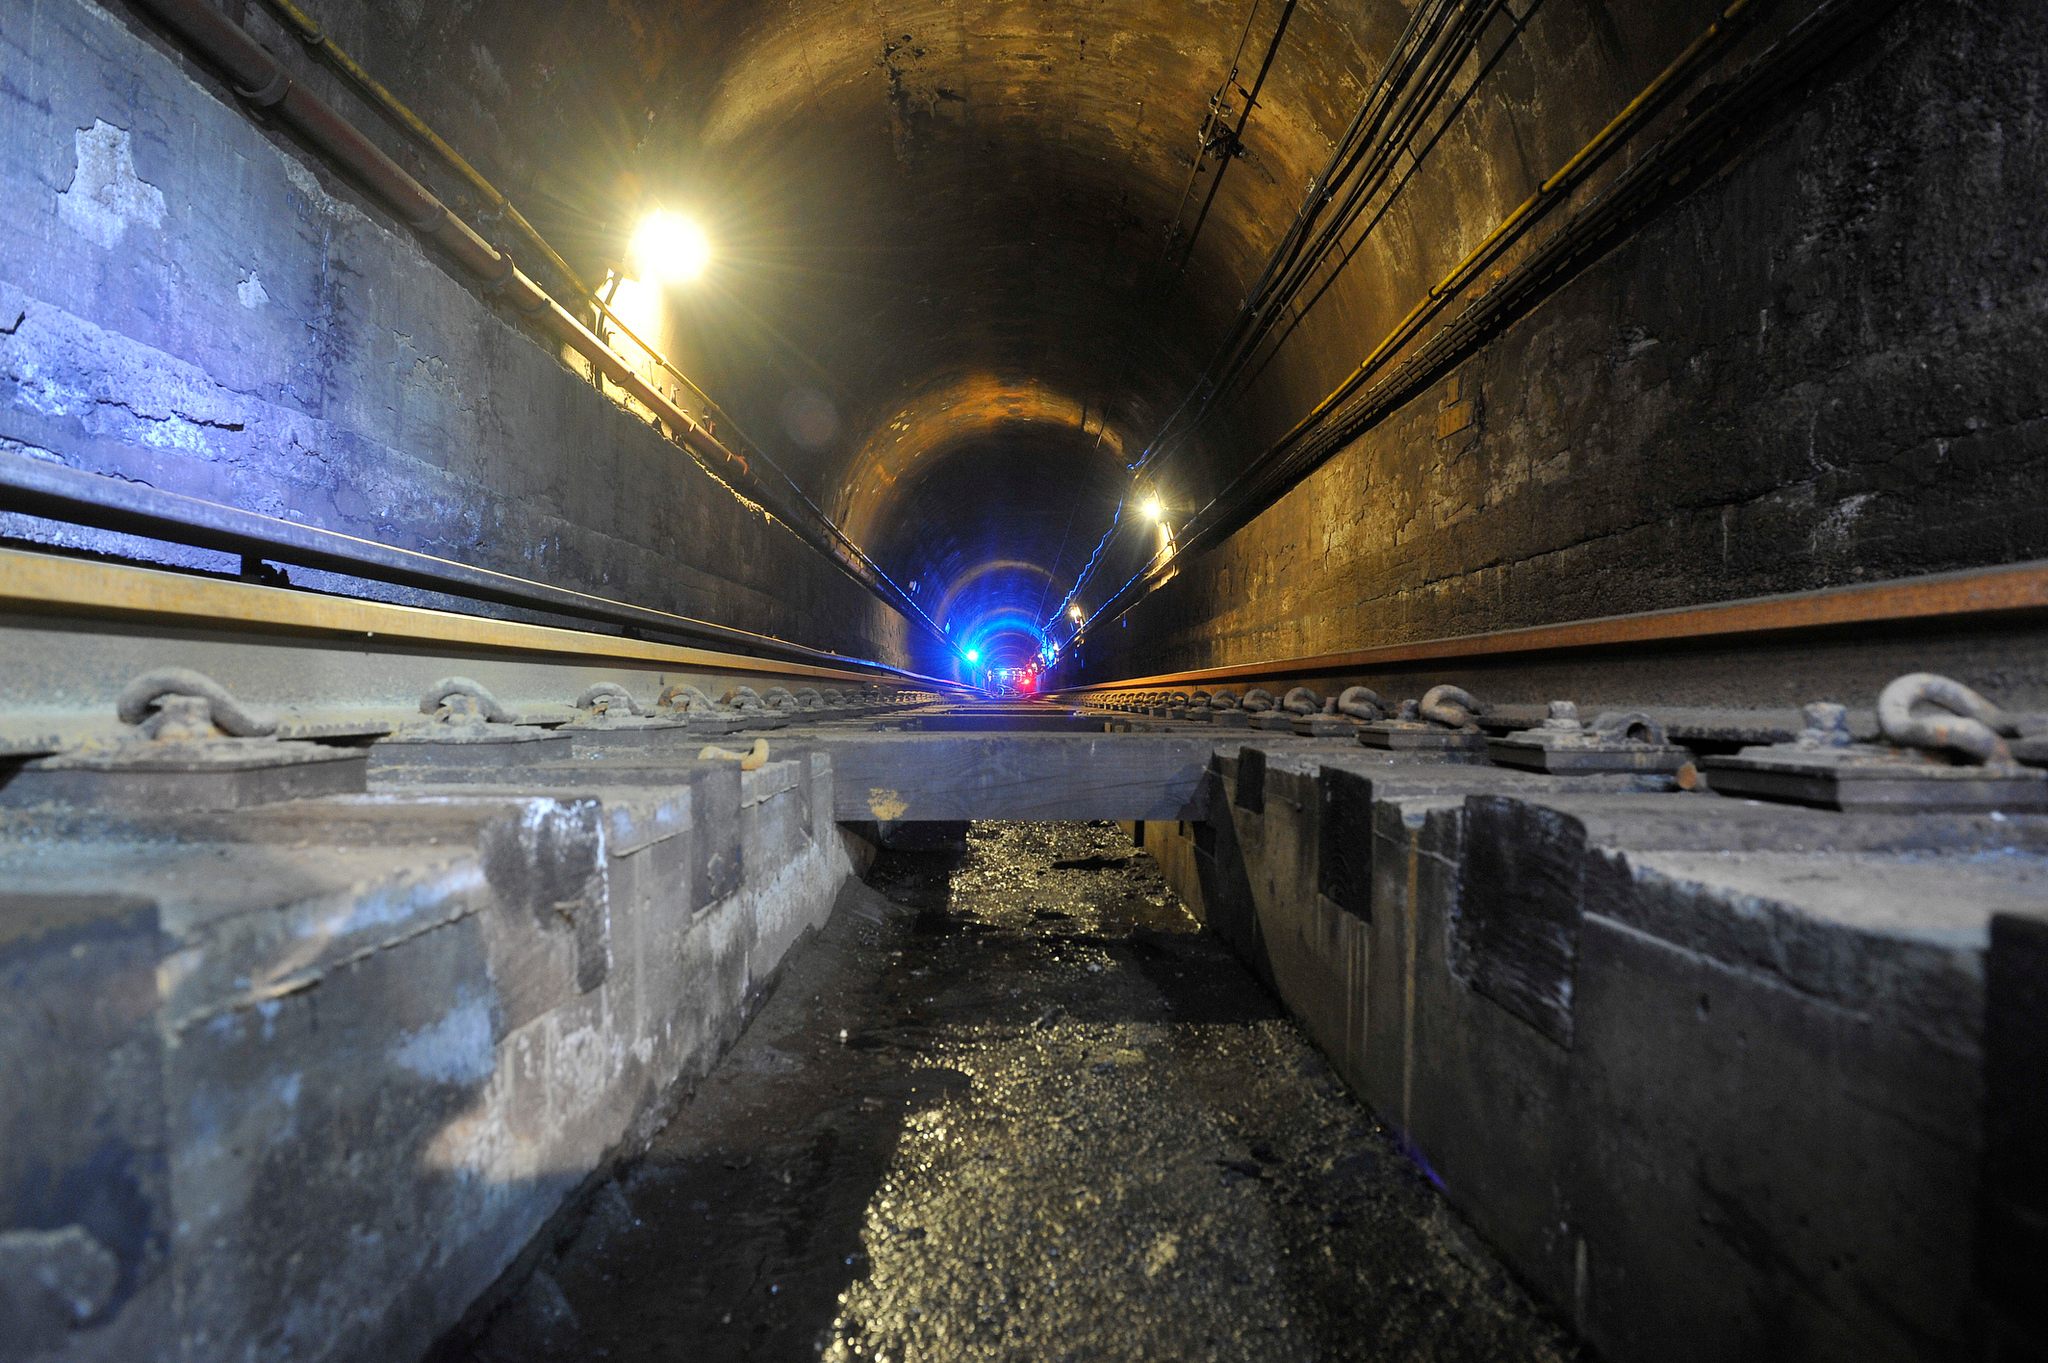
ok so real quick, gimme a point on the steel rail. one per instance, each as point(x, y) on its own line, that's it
point(55, 492)
point(39, 584)
point(2017, 593)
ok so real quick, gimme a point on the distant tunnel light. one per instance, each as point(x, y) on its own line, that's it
point(973, 655)
point(1076, 614)
point(1154, 509)
point(670, 247)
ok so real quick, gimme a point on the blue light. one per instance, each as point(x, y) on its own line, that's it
point(973, 655)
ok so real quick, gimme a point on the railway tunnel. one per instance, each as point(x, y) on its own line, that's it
point(1023, 679)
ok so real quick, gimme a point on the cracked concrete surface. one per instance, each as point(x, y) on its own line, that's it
point(106, 196)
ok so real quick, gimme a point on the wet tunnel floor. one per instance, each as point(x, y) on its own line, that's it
point(1013, 1104)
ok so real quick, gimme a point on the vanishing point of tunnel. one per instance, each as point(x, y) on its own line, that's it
point(1091, 680)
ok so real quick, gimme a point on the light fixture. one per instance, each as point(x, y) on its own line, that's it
point(973, 655)
point(1075, 613)
point(670, 248)
point(1154, 509)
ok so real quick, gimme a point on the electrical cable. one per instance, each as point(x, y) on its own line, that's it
point(1410, 81)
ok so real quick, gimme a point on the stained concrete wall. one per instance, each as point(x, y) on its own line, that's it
point(186, 302)
point(1821, 367)
point(299, 1082)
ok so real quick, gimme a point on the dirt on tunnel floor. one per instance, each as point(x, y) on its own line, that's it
point(1013, 1104)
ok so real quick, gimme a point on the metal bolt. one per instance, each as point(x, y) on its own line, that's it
point(1827, 725)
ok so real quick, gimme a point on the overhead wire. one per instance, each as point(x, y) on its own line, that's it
point(1203, 134)
point(1208, 120)
point(1371, 177)
point(1432, 46)
point(1416, 160)
point(1233, 144)
point(1646, 180)
point(1384, 119)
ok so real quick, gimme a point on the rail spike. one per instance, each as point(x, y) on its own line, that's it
point(1961, 722)
point(1361, 702)
point(463, 698)
point(179, 703)
point(605, 697)
point(1453, 707)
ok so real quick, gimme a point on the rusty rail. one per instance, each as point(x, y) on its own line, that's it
point(2009, 593)
point(41, 586)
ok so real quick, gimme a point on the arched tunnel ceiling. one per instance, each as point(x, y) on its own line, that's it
point(956, 224)
point(949, 297)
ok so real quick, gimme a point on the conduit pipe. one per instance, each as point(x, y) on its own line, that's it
point(262, 80)
point(317, 42)
point(370, 88)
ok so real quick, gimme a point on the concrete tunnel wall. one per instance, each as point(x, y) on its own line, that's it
point(956, 318)
point(951, 313)
point(190, 303)
point(954, 309)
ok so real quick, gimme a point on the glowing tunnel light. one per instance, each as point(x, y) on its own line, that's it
point(994, 610)
point(670, 247)
point(1154, 509)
